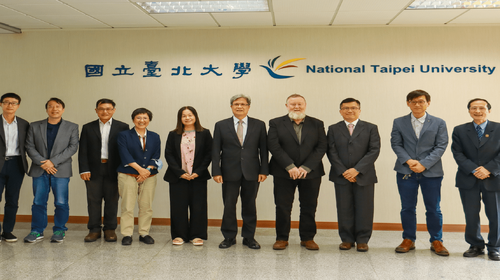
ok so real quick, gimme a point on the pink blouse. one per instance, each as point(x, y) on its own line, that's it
point(187, 150)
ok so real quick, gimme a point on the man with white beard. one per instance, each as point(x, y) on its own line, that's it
point(297, 143)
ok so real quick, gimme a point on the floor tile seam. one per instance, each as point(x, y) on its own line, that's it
point(76, 261)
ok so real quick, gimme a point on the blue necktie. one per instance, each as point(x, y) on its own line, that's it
point(479, 132)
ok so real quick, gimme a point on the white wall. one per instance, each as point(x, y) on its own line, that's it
point(41, 64)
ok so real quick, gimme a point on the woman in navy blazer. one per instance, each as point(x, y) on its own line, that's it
point(187, 175)
point(139, 151)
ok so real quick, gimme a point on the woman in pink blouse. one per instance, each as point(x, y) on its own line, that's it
point(188, 155)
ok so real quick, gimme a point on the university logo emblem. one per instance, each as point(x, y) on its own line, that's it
point(273, 72)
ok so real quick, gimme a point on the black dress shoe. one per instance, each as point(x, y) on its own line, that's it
point(226, 243)
point(473, 252)
point(494, 256)
point(147, 239)
point(251, 243)
point(127, 240)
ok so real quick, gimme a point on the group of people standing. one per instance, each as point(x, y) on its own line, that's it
point(115, 161)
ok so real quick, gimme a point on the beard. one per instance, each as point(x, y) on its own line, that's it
point(296, 115)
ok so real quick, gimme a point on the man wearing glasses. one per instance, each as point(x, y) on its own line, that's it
point(98, 159)
point(419, 141)
point(353, 147)
point(476, 149)
point(13, 164)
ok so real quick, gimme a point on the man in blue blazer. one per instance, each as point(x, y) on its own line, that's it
point(240, 163)
point(50, 144)
point(419, 141)
point(476, 149)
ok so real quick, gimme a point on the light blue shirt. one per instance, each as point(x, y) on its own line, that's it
point(483, 125)
point(245, 126)
point(417, 124)
point(11, 138)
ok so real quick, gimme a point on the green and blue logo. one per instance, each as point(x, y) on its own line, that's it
point(283, 65)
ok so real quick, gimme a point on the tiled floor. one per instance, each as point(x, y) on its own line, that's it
point(74, 259)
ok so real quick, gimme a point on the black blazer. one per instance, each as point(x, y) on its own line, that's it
point(233, 160)
point(470, 153)
point(22, 130)
point(358, 151)
point(285, 148)
point(202, 156)
point(89, 155)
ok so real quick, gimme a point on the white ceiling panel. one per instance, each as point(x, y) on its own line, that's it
point(28, 2)
point(107, 8)
point(244, 19)
point(363, 17)
point(299, 6)
point(191, 20)
point(372, 5)
point(44, 9)
point(129, 20)
point(426, 16)
point(96, 1)
point(478, 16)
point(74, 21)
point(25, 22)
point(4, 11)
point(297, 19)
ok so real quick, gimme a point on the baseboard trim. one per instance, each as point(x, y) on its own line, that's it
point(266, 224)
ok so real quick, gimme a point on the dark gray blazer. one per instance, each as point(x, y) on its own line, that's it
point(65, 146)
point(22, 130)
point(358, 151)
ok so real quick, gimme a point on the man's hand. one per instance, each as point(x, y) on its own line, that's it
point(48, 166)
point(85, 176)
point(303, 173)
point(482, 173)
point(350, 174)
point(262, 178)
point(294, 173)
point(218, 179)
point(415, 166)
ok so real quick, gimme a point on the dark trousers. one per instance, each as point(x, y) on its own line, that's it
point(11, 179)
point(471, 201)
point(188, 209)
point(102, 187)
point(354, 212)
point(230, 193)
point(284, 191)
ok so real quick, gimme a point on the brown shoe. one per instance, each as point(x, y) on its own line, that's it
point(346, 245)
point(439, 249)
point(362, 247)
point(280, 245)
point(92, 236)
point(110, 235)
point(309, 244)
point(405, 246)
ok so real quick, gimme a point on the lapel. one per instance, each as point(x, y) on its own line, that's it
point(43, 133)
point(136, 140)
point(487, 131)
point(232, 131)
point(62, 127)
point(177, 144)
point(472, 134)
point(428, 122)
point(2, 132)
point(97, 130)
point(408, 127)
point(357, 129)
point(289, 126)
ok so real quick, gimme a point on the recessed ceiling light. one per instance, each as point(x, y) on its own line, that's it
point(422, 5)
point(205, 6)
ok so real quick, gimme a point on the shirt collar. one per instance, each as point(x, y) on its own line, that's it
point(421, 119)
point(145, 134)
point(354, 122)
point(483, 125)
point(5, 121)
point(236, 120)
point(110, 121)
point(293, 121)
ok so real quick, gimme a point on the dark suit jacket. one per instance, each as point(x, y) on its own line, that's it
point(89, 154)
point(284, 146)
point(65, 146)
point(358, 151)
point(22, 130)
point(130, 150)
point(202, 156)
point(233, 160)
point(470, 153)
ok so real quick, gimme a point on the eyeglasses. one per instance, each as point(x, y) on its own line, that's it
point(482, 109)
point(239, 104)
point(419, 102)
point(349, 108)
point(6, 103)
point(105, 109)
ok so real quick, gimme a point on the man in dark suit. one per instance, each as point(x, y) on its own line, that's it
point(476, 149)
point(98, 159)
point(50, 144)
point(240, 163)
point(13, 164)
point(353, 147)
point(419, 141)
point(297, 143)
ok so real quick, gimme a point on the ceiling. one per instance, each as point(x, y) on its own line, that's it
point(106, 14)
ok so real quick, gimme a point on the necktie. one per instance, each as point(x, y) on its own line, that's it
point(351, 128)
point(239, 131)
point(479, 132)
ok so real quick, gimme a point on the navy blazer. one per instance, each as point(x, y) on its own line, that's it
point(427, 149)
point(233, 160)
point(285, 148)
point(359, 151)
point(470, 153)
point(130, 149)
point(202, 156)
